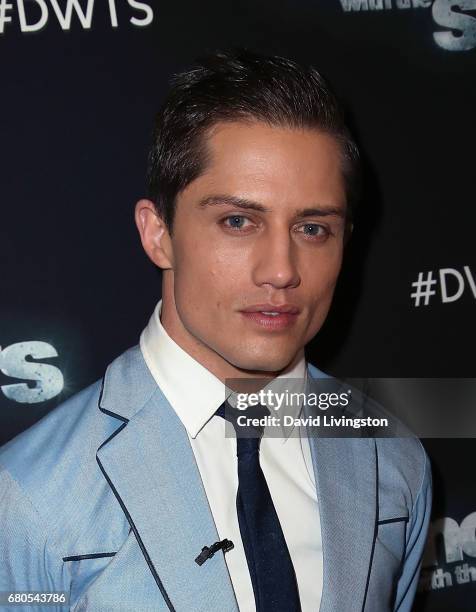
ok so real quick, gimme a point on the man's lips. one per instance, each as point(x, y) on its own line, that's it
point(281, 308)
point(271, 316)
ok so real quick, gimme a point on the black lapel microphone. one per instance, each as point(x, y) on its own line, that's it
point(208, 551)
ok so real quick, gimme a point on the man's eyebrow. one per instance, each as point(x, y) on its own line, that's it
point(315, 211)
point(321, 211)
point(216, 200)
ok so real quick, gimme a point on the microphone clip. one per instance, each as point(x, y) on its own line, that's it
point(209, 551)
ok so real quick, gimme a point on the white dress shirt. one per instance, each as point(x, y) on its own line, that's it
point(196, 394)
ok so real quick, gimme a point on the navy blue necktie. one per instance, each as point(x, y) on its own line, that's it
point(269, 562)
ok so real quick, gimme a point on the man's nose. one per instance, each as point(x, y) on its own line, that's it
point(276, 261)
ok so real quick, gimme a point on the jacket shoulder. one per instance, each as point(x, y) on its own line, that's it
point(63, 440)
point(51, 468)
point(70, 429)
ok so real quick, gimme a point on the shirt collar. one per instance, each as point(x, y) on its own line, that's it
point(193, 391)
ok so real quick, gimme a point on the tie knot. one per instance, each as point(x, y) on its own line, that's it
point(249, 427)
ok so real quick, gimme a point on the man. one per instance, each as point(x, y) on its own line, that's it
point(112, 496)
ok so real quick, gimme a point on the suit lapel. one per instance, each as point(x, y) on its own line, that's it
point(346, 480)
point(150, 466)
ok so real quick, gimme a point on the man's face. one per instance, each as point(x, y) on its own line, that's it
point(257, 244)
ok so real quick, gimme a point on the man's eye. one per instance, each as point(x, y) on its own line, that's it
point(313, 229)
point(235, 221)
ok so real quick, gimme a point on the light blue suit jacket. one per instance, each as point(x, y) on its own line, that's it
point(102, 499)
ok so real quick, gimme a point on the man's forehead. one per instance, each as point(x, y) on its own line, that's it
point(254, 172)
point(262, 151)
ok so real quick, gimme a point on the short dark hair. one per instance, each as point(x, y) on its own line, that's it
point(239, 85)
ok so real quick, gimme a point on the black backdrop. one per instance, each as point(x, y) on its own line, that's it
point(78, 97)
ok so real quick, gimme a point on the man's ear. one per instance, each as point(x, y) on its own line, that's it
point(154, 234)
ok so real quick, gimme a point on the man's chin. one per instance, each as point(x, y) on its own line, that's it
point(263, 364)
